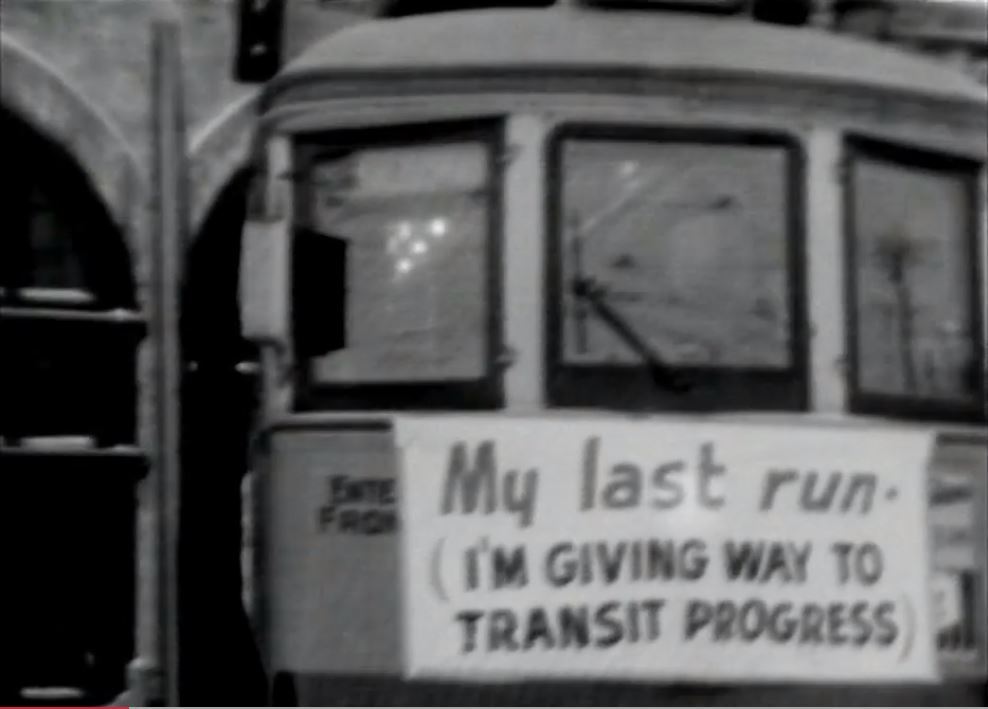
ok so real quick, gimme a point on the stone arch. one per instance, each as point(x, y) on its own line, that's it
point(62, 250)
point(218, 150)
point(42, 95)
point(61, 233)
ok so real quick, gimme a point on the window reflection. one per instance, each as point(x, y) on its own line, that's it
point(415, 219)
point(690, 242)
point(913, 281)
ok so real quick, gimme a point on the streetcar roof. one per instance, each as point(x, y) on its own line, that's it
point(653, 41)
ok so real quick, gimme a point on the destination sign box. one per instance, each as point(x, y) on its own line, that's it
point(651, 551)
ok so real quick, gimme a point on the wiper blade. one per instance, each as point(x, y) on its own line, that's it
point(662, 374)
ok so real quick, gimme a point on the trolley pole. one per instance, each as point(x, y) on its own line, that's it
point(169, 204)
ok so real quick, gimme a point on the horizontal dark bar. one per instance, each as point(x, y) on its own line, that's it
point(127, 459)
point(316, 422)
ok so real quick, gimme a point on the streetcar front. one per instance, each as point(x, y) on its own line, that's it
point(564, 312)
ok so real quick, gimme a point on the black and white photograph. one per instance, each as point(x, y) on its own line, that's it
point(521, 353)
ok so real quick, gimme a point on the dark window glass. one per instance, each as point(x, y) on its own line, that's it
point(67, 386)
point(54, 261)
point(690, 248)
point(914, 271)
point(60, 243)
point(691, 243)
point(68, 362)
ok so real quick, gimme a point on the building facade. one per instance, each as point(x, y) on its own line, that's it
point(952, 31)
point(78, 421)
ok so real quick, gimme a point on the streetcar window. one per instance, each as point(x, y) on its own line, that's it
point(689, 240)
point(689, 245)
point(412, 224)
point(914, 271)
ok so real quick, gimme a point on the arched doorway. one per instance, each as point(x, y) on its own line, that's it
point(219, 662)
point(69, 328)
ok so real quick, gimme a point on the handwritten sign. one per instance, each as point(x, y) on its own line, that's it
point(651, 551)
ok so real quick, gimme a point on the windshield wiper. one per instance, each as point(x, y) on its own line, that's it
point(587, 289)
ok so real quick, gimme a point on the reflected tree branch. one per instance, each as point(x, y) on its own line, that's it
point(896, 253)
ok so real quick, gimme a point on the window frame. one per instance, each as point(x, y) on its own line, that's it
point(860, 401)
point(483, 393)
point(719, 388)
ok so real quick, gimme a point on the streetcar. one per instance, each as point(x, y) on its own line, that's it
point(659, 221)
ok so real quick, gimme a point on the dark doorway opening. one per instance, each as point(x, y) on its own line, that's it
point(69, 462)
point(219, 662)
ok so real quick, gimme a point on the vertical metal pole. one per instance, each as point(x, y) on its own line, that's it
point(168, 234)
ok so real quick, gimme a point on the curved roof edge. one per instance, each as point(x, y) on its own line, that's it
point(585, 39)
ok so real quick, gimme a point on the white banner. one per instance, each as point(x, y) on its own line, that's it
point(537, 548)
